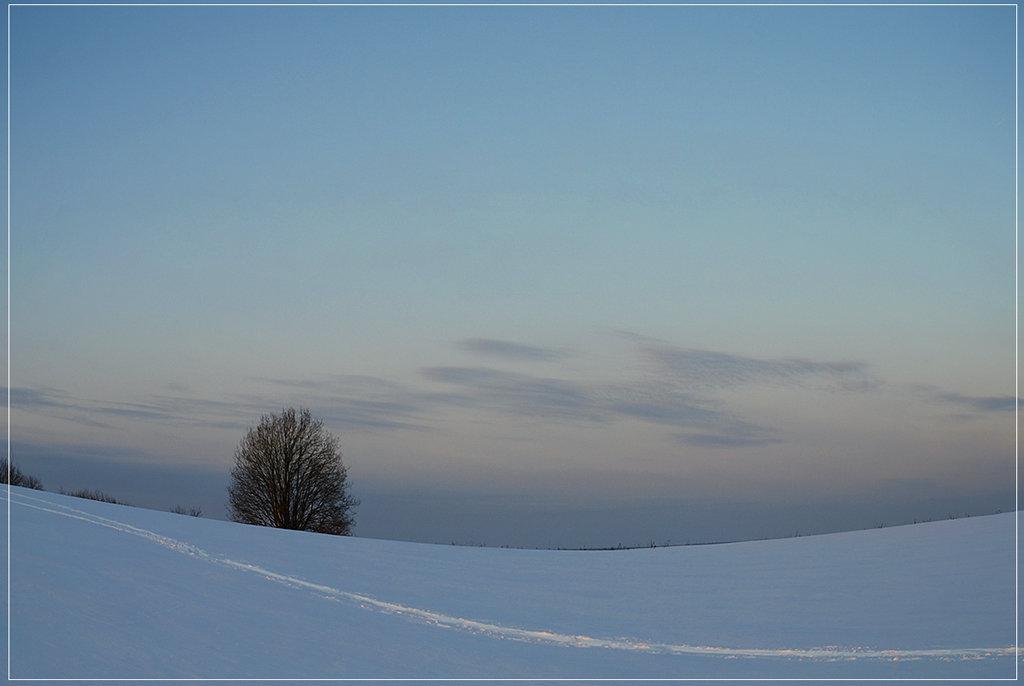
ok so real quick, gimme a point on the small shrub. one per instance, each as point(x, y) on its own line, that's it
point(191, 512)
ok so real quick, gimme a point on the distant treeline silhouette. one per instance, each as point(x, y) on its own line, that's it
point(324, 503)
point(94, 494)
point(12, 474)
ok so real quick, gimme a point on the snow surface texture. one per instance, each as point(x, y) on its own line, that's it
point(107, 591)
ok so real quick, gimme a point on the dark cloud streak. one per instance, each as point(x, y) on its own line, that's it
point(518, 394)
point(675, 393)
point(726, 441)
point(1006, 403)
point(507, 349)
point(536, 397)
point(676, 388)
point(234, 413)
point(710, 370)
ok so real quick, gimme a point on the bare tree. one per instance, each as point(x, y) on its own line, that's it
point(288, 474)
point(9, 473)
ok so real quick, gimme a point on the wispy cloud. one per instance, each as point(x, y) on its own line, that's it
point(725, 440)
point(349, 402)
point(677, 388)
point(100, 413)
point(999, 403)
point(981, 404)
point(392, 407)
point(518, 394)
point(37, 397)
point(673, 387)
point(81, 410)
point(507, 349)
point(711, 370)
point(338, 384)
point(659, 403)
point(593, 401)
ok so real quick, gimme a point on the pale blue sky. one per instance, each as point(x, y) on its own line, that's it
point(643, 257)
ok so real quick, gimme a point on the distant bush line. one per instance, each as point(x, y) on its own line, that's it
point(10, 473)
point(94, 495)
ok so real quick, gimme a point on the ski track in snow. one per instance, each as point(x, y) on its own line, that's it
point(499, 631)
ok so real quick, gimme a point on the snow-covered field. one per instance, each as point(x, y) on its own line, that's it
point(106, 591)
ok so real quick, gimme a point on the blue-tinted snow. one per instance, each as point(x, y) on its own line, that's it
point(99, 590)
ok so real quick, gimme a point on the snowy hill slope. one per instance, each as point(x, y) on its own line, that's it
point(107, 591)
